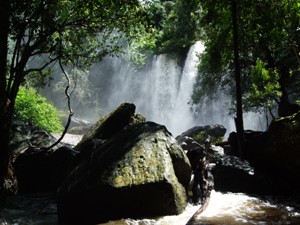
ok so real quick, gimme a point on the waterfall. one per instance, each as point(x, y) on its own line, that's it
point(161, 91)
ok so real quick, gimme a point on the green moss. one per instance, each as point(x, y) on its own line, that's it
point(137, 167)
point(110, 124)
point(202, 135)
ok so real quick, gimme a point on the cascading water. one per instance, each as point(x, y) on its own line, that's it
point(161, 92)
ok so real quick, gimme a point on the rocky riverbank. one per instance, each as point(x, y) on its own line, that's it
point(71, 139)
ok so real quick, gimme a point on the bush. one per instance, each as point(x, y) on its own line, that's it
point(32, 107)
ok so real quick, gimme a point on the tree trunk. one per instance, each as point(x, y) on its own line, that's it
point(237, 76)
point(6, 105)
point(4, 18)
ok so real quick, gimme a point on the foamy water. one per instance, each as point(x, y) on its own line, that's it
point(228, 209)
point(166, 220)
point(223, 209)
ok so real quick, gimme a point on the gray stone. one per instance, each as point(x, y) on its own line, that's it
point(37, 168)
point(140, 171)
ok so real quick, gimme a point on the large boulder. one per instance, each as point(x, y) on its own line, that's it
point(283, 141)
point(37, 168)
point(137, 170)
point(232, 174)
point(43, 171)
point(274, 154)
point(109, 125)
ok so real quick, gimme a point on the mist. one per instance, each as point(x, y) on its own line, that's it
point(161, 92)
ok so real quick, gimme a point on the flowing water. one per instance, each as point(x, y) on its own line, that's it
point(162, 92)
point(231, 209)
point(223, 209)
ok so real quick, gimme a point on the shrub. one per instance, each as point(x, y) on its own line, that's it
point(34, 108)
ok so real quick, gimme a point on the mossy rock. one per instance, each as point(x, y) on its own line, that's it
point(110, 124)
point(139, 172)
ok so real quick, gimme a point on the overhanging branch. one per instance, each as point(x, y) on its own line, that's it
point(71, 113)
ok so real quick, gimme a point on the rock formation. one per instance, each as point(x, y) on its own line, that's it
point(126, 168)
point(36, 168)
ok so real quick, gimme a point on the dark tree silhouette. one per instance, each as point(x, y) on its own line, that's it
point(237, 76)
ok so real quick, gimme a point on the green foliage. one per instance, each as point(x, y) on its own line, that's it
point(269, 40)
point(264, 87)
point(174, 25)
point(65, 32)
point(179, 26)
point(32, 107)
point(202, 135)
point(73, 32)
point(142, 46)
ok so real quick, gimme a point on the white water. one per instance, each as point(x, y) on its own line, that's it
point(223, 209)
point(228, 209)
point(162, 92)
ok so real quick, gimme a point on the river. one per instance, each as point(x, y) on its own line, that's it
point(223, 209)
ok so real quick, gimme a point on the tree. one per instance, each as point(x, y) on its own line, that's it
point(237, 77)
point(179, 28)
point(175, 25)
point(4, 102)
point(68, 32)
point(274, 39)
point(269, 39)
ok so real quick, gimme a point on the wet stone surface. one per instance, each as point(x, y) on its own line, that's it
point(38, 209)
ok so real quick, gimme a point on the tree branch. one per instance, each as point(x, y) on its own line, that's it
point(40, 68)
point(71, 113)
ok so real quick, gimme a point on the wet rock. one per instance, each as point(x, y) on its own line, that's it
point(282, 150)
point(26, 136)
point(139, 171)
point(109, 125)
point(77, 125)
point(43, 171)
point(36, 168)
point(255, 145)
point(200, 133)
point(234, 175)
point(274, 154)
point(203, 181)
